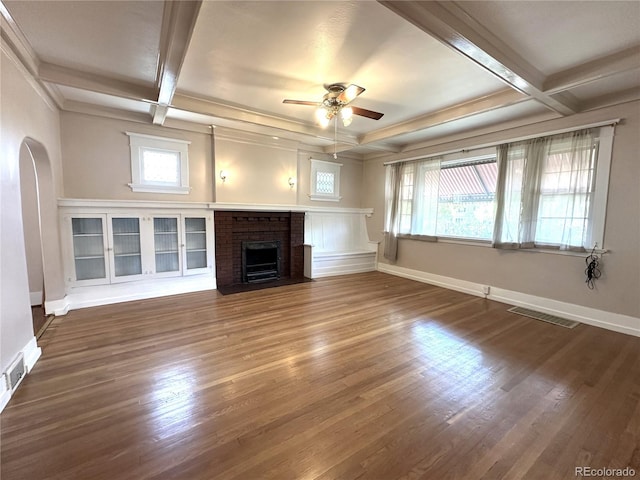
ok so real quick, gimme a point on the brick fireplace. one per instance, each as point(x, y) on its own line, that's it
point(232, 228)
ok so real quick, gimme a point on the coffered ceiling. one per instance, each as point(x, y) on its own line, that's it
point(433, 68)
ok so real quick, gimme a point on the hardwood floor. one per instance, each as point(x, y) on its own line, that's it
point(367, 376)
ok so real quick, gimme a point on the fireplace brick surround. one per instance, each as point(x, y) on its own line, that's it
point(234, 227)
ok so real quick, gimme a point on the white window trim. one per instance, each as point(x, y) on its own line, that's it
point(329, 167)
point(139, 141)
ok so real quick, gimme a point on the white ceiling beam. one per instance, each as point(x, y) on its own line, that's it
point(496, 100)
point(178, 22)
point(451, 25)
point(95, 83)
point(158, 113)
point(620, 62)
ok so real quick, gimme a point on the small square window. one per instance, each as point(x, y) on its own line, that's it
point(160, 167)
point(325, 181)
point(159, 164)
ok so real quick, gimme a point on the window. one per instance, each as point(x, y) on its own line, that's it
point(547, 192)
point(325, 181)
point(159, 164)
point(453, 196)
point(554, 191)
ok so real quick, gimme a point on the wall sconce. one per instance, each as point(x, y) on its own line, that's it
point(292, 182)
point(223, 175)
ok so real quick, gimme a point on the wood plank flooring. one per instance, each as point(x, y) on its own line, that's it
point(366, 376)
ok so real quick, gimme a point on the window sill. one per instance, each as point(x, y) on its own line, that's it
point(159, 189)
point(323, 198)
point(487, 244)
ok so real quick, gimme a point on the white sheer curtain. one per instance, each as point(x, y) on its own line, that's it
point(392, 211)
point(545, 192)
point(411, 196)
point(425, 199)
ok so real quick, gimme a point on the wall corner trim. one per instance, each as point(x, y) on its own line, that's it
point(590, 316)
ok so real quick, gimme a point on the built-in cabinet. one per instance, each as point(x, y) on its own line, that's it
point(121, 247)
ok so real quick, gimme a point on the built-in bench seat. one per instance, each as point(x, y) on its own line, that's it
point(338, 244)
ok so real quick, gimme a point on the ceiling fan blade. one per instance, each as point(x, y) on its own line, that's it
point(363, 112)
point(301, 102)
point(350, 93)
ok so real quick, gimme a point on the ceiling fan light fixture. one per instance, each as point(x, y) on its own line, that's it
point(323, 117)
point(347, 116)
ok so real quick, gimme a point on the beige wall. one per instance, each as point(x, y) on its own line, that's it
point(259, 167)
point(97, 160)
point(26, 118)
point(550, 276)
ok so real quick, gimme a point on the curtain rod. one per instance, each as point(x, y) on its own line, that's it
point(604, 123)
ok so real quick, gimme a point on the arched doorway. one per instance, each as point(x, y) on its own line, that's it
point(39, 220)
point(32, 236)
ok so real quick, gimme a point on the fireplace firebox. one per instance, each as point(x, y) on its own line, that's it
point(260, 261)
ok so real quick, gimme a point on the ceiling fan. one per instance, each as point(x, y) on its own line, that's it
point(336, 101)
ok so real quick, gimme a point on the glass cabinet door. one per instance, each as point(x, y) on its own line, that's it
point(165, 241)
point(88, 248)
point(127, 256)
point(195, 243)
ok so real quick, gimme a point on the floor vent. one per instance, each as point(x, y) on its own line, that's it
point(16, 373)
point(563, 322)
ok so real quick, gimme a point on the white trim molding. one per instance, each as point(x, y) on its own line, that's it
point(590, 316)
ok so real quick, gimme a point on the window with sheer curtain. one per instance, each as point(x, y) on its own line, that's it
point(450, 196)
point(547, 192)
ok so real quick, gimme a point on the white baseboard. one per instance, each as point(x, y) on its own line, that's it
point(31, 353)
point(35, 298)
point(590, 316)
point(5, 393)
point(92, 296)
point(56, 307)
point(432, 279)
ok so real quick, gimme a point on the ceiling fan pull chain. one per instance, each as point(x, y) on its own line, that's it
point(335, 140)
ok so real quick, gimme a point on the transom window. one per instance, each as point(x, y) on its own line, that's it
point(159, 164)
